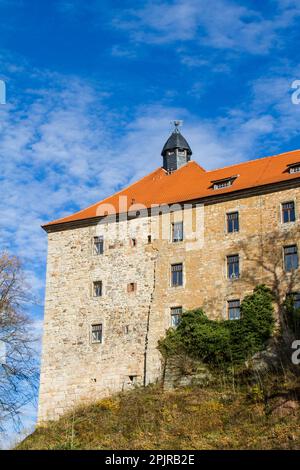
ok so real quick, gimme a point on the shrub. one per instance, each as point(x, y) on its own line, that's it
point(292, 316)
point(220, 343)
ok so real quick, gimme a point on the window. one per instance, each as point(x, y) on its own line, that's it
point(234, 309)
point(133, 242)
point(96, 333)
point(176, 314)
point(233, 266)
point(149, 239)
point(131, 287)
point(296, 299)
point(98, 245)
point(133, 379)
point(223, 183)
point(126, 329)
point(290, 258)
point(294, 167)
point(176, 275)
point(97, 285)
point(177, 232)
point(288, 212)
point(232, 222)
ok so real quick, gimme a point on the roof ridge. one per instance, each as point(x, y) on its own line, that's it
point(191, 162)
point(253, 160)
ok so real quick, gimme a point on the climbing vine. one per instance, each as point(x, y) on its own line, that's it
point(227, 341)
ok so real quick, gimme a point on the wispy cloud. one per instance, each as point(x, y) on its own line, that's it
point(225, 25)
point(66, 148)
point(119, 51)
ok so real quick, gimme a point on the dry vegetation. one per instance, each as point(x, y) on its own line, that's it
point(249, 417)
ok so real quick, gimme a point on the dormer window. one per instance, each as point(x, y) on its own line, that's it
point(223, 183)
point(294, 168)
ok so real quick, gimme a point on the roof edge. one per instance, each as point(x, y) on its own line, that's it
point(212, 199)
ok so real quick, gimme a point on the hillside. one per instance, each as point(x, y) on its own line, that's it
point(186, 418)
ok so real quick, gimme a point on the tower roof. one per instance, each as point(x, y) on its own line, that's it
point(176, 141)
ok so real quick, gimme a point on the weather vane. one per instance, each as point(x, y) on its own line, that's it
point(177, 123)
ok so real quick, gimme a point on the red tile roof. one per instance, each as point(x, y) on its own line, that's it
point(192, 182)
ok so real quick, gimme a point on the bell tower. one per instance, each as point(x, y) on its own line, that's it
point(176, 151)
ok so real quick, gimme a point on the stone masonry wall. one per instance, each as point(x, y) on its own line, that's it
point(75, 370)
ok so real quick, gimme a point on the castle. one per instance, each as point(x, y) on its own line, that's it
point(122, 271)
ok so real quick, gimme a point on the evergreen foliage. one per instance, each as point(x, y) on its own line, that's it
point(225, 342)
point(292, 316)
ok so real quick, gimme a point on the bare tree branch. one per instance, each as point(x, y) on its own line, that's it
point(18, 365)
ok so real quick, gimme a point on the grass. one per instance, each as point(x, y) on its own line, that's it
point(186, 418)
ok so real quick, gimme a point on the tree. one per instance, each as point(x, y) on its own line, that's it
point(18, 368)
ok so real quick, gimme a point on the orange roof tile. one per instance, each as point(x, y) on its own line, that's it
point(192, 182)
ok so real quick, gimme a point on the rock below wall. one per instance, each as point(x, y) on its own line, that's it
point(180, 371)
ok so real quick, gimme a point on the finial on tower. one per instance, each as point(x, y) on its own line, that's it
point(177, 124)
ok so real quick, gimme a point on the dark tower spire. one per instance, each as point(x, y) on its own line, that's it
point(176, 151)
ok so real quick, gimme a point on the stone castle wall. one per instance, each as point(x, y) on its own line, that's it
point(75, 370)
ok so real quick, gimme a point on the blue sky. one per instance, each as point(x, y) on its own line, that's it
point(93, 85)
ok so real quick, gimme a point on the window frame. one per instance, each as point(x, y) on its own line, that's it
point(285, 255)
point(231, 278)
point(94, 289)
point(173, 315)
point(227, 221)
point(173, 240)
point(234, 307)
point(294, 168)
point(292, 201)
point(172, 272)
point(94, 245)
point(93, 325)
point(223, 182)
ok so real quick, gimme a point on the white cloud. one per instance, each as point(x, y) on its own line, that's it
point(62, 148)
point(223, 25)
point(119, 51)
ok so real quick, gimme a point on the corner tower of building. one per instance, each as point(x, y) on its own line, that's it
point(176, 151)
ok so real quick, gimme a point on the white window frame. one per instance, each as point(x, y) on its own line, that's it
point(285, 224)
point(172, 231)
